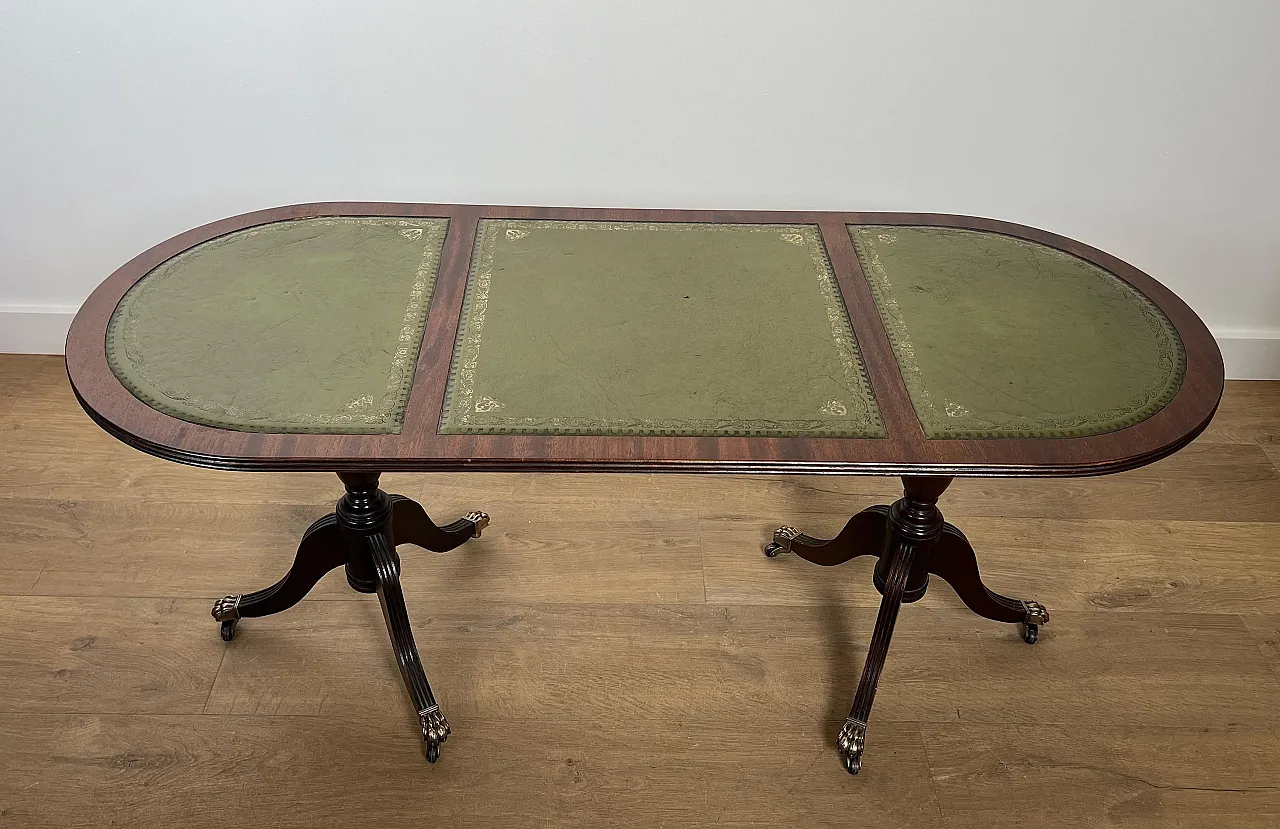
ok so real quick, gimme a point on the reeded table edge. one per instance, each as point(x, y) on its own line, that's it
point(419, 447)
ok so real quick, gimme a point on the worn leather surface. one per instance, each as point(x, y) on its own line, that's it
point(655, 328)
point(304, 326)
point(1000, 337)
point(640, 328)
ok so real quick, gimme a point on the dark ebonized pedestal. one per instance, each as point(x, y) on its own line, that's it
point(362, 534)
point(912, 542)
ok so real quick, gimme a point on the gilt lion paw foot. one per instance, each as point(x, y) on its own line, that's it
point(435, 730)
point(480, 520)
point(852, 740)
point(1036, 616)
point(782, 538)
point(226, 608)
point(227, 611)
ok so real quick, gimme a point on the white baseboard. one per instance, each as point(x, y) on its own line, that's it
point(42, 329)
point(35, 329)
point(1250, 355)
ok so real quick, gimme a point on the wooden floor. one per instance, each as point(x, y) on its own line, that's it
point(616, 650)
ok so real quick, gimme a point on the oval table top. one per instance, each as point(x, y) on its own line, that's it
point(368, 336)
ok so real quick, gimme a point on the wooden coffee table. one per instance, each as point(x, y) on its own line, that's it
point(362, 337)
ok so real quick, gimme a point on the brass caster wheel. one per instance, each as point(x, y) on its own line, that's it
point(433, 752)
point(228, 630)
point(853, 763)
point(1036, 616)
point(781, 543)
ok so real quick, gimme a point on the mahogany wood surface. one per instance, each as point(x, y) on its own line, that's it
point(905, 450)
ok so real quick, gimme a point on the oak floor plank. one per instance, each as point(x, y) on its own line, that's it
point(1272, 451)
point(1265, 628)
point(1180, 566)
point(20, 565)
point(1247, 414)
point(1079, 776)
point(633, 661)
point(107, 656)
point(158, 771)
point(154, 549)
point(7, 604)
point(16, 374)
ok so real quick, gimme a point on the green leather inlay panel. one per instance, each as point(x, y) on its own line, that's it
point(632, 328)
point(303, 326)
point(999, 337)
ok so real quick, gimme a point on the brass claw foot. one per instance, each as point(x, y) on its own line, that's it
point(782, 538)
point(480, 519)
point(1036, 616)
point(227, 611)
point(862, 536)
point(852, 740)
point(435, 730)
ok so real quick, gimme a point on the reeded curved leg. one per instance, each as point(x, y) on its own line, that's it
point(954, 561)
point(322, 549)
point(853, 735)
point(410, 524)
point(862, 536)
point(386, 567)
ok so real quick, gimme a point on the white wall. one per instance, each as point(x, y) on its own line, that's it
point(1150, 129)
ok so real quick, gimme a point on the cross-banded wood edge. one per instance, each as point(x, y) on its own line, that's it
point(905, 451)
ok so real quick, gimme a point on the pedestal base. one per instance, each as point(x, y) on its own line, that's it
point(912, 542)
point(361, 535)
